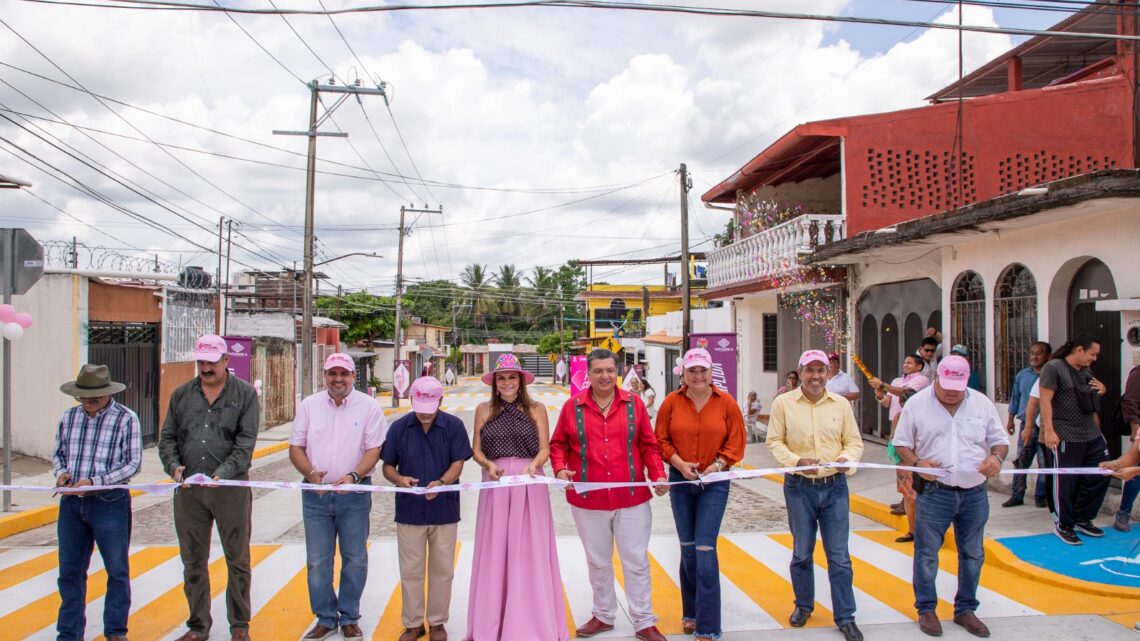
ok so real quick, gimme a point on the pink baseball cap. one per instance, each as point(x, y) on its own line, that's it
point(426, 392)
point(697, 357)
point(812, 356)
point(341, 360)
point(210, 348)
point(954, 373)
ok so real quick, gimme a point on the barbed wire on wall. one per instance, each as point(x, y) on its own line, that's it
point(74, 255)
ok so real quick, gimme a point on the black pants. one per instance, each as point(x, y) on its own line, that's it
point(1079, 496)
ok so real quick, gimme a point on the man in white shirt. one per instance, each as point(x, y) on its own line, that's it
point(951, 428)
point(838, 381)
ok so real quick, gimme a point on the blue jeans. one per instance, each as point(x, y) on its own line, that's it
point(937, 508)
point(1024, 460)
point(697, 511)
point(822, 506)
point(1128, 494)
point(329, 518)
point(84, 521)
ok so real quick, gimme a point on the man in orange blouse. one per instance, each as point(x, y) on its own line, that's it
point(603, 435)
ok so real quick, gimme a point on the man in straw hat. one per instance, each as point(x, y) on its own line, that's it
point(604, 435)
point(211, 429)
point(99, 442)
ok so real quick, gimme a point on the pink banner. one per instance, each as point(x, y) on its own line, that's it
point(240, 348)
point(578, 379)
point(722, 348)
point(401, 378)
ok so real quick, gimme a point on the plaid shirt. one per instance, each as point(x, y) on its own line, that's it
point(106, 448)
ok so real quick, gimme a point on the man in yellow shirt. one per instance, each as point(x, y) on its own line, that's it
point(812, 426)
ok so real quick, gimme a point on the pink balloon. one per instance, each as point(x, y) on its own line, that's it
point(7, 313)
point(23, 319)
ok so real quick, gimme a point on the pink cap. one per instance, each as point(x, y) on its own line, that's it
point(210, 348)
point(813, 356)
point(426, 393)
point(954, 373)
point(697, 357)
point(341, 360)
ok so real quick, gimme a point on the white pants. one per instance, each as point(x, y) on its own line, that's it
point(629, 528)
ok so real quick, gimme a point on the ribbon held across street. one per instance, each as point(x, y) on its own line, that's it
point(202, 480)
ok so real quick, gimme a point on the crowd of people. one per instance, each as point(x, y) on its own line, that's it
point(603, 435)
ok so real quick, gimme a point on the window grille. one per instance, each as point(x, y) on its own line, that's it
point(968, 320)
point(770, 349)
point(1015, 326)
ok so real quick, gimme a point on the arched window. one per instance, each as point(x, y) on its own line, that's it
point(1015, 325)
point(968, 320)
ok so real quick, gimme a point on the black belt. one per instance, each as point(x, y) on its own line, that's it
point(953, 488)
point(817, 480)
point(96, 492)
point(364, 480)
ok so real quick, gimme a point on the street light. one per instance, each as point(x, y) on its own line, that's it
point(307, 323)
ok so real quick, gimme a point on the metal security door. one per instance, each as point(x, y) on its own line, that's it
point(130, 351)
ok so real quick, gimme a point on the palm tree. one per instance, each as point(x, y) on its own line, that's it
point(474, 278)
point(544, 288)
point(509, 282)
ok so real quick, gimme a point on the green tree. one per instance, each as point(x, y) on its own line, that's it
point(479, 294)
point(369, 318)
point(509, 283)
point(553, 344)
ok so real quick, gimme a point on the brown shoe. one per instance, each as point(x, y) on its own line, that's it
point(193, 636)
point(972, 624)
point(240, 634)
point(319, 633)
point(351, 632)
point(688, 626)
point(411, 634)
point(437, 633)
point(928, 622)
point(116, 638)
point(650, 634)
point(593, 627)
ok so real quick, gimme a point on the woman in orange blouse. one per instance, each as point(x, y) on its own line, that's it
point(700, 430)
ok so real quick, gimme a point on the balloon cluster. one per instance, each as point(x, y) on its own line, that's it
point(13, 323)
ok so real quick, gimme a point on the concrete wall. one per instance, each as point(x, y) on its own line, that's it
point(277, 324)
point(123, 303)
point(48, 355)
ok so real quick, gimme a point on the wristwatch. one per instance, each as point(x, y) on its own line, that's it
point(355, 477)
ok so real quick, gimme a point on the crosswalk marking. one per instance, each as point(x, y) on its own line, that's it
point(665, 597)
point(31, 618)
point(756, 590)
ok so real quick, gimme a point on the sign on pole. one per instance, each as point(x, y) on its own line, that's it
point(21, 262)
point(722, 348)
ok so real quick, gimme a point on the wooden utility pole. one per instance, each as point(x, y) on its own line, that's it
point(397, 330)
point(685, 311)
point(316, 88)
point(226, 289)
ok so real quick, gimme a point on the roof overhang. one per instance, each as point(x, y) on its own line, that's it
point(1095, 193)
point(810, 150)
point(1045, 60)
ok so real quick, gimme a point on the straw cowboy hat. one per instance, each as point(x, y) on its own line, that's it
point(93, 381)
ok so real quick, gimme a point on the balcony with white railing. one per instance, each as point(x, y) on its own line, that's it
point(774, 250)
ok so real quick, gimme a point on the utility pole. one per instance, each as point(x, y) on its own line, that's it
point(229, 251)
point(397, 331)
point(316, 88)
point(685, 311)
point(218, 278)
point(75, 253)
point(338, 294)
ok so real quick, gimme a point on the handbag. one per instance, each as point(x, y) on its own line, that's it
point(1088, 399)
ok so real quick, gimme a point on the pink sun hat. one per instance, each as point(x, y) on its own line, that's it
point(508, 363)
point(954, 373)
point(426, 393)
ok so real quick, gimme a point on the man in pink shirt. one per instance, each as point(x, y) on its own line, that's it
point(603, 435)
point(336, 441)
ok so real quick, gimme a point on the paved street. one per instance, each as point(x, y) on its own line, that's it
point(754, 552)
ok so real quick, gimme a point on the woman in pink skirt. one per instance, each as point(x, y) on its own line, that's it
point(516, 588)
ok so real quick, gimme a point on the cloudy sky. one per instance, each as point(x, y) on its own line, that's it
point(546, 134)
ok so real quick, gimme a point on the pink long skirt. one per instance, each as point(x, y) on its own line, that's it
point(516, 587)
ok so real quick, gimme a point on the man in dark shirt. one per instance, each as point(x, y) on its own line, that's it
point(1070, 427)
point(426, 448)
point(211, 428)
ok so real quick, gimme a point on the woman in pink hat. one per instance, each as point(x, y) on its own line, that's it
point(516, 587)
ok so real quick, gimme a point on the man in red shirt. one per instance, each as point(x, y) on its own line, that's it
point(604, 435)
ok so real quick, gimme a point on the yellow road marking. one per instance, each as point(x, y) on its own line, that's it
point(884, 586)
point(161, 615)
point(767, 589)
point(41, 613)
point(665, 597)
point(287, 615)
point(391, 622)
point(569, 615)
point(25, 570)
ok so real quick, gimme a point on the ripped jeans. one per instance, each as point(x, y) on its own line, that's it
point(697, 511)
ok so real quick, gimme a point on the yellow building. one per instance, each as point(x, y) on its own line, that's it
point(608, 307)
